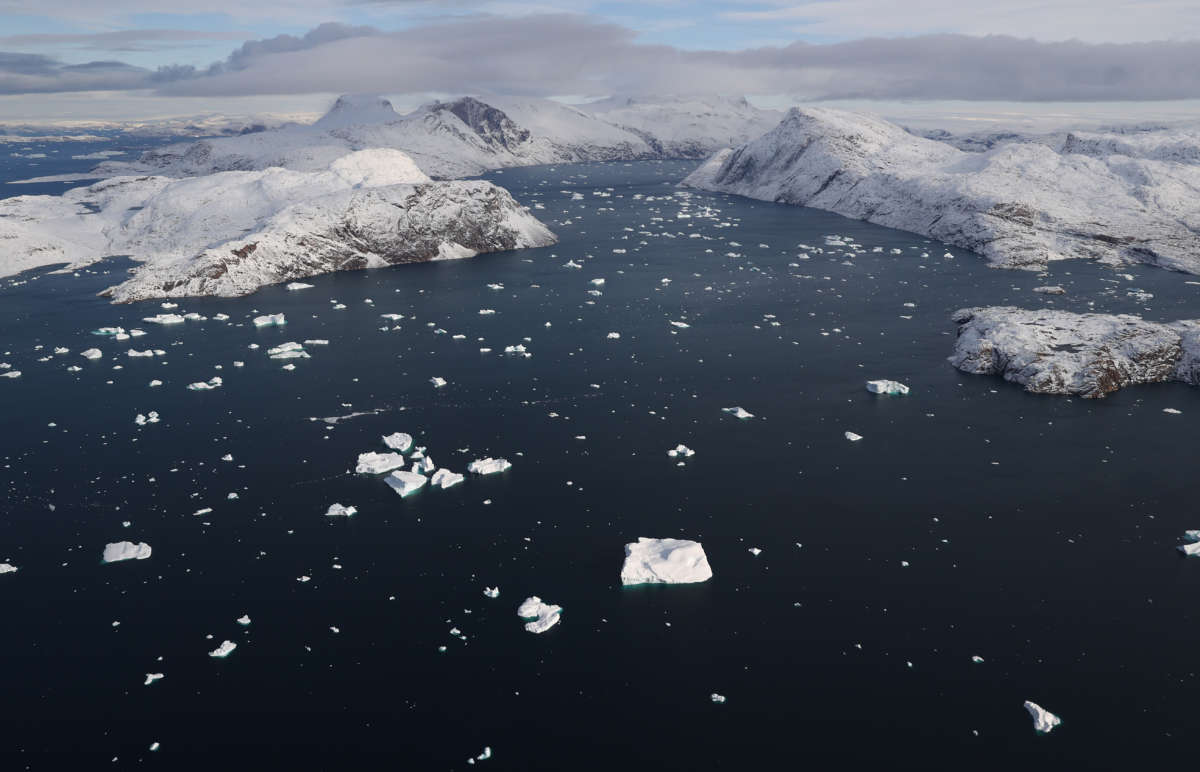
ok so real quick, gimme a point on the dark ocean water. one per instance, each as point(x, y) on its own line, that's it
point(1039, 532)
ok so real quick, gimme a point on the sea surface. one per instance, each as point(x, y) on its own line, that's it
point(972, 520)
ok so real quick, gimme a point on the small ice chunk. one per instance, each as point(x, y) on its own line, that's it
point(491, 592)
point(1050, 290)
point(614, 336)
point(853, 437)
point(91, 353)
point(270, 320)
point(244, 620)
point(444, 478)
point(404, 482)
point(298, 285)
point(337, 510)
point(543, 615)
point(887, 387)
point(378, 463)
point(1172, 411)
point(737, 412)
point(152, 677)
point(126, 550)
point(717, 698)
point(224, 650)
point(488, 466)
point(155, 382)
point(1043, 720)
point(681, 451)
point(664, 561)
point(437, 382)
point(978, 660)
point(399, 441)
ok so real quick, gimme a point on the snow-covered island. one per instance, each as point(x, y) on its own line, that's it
point(230, 233)
point(1059, 352)
point(1020, 204)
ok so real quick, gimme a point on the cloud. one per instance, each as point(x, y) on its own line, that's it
point(36, 73)
point(549, 54)
point(122, 40)
point(568, 54)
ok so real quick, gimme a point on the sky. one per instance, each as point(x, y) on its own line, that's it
point(58, 57)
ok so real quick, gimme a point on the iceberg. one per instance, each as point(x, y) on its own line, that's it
point(289, 350)
point(165, 319)
point(1191, 550)
point(7, 568)
point(664, 561)
point(1043, 720)
point(399, 441)
point(244, 620)
point(11, 374)
point(91, 353)
point(152, 677)
point(404, 482)
point(108, 331)
point(437, 382)
point(719, 699)
point(681, 450)
point(378, 463)
point(737, 412)
point(488, 592)
point(853, 437)
point(292, 286)
point(488, 466)
point(270, 320)
point(1050, 290)
point(224, 650)
point(542, 615)
point(209, 385)
point(126, 550)
point(444, 478)
point(887, 387)
point(337, 510)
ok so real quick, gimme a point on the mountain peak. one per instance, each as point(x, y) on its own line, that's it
point(357, 110)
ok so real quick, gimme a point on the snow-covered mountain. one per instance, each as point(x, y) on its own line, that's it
point(687, 127)
point(1058, 352)
point(1170, 145)
point(1020, 205)
point(229, 233)
point(468, 136)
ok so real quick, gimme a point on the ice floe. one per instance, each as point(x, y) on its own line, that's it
point(399, 441)
point(540, 616)
point(664, 561)
point(488, 466)
point(1043, 720)
point(887, 387)
point(337, 510)
point(224, 650)
point(125, 550)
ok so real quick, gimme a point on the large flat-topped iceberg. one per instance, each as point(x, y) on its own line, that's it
point(126, 550)
point(1059, 352)
point(405, 483)
point(378, 463)
point(664, 561)
point(1020, 205)
point(230, 233)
